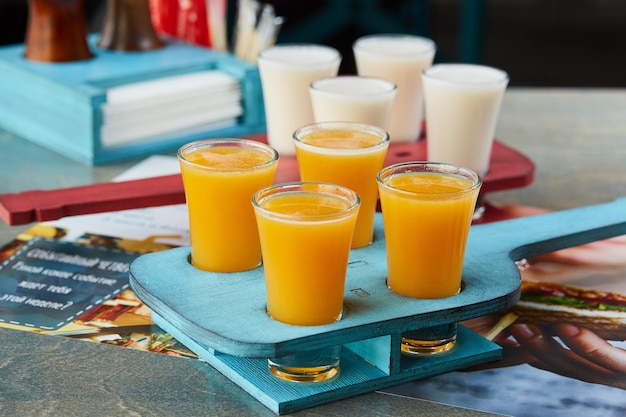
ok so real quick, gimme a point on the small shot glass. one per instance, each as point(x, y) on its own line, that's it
point(427, 210)
point(348, 154)
point(306, 229)
point(220, 176)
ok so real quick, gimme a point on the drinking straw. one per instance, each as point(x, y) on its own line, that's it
point(216, 16)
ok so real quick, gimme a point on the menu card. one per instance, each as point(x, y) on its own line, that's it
point(81, 290)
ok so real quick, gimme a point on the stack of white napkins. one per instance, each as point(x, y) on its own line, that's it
point(181, 104)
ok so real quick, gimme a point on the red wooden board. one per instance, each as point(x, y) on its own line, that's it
point(508, 169)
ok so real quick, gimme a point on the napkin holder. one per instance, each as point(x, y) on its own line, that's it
point(58, 105)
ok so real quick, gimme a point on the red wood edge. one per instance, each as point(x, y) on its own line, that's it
point(44, 205)
point(508, 169)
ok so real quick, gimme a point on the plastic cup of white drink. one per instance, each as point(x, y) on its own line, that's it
point(286, 72)
point(462, 104)
point(401, 60)
point(350, 98)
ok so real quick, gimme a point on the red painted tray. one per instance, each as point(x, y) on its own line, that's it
point(508, 169)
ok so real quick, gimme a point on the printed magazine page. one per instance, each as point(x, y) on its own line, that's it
point(56, 297)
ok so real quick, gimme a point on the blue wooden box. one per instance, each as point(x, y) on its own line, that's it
point(58, 105)
point(222, 316)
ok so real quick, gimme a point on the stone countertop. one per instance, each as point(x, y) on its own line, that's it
point(57, 376)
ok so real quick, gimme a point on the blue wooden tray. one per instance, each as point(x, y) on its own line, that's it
point(222, 316)
point(58, 105)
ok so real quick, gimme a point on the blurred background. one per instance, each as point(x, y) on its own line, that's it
point(557, 43)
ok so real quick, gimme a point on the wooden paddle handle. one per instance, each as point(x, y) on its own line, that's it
point(544, 233)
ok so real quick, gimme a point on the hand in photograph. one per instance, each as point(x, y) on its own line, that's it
point(583, 355)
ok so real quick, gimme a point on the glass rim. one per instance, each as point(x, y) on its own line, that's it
point(336, 125)
point(503, 76)
point(334, 57)
point(228, 142)
point(430, 45)
point(391, 87)
point(437, 167)
point(306, 186)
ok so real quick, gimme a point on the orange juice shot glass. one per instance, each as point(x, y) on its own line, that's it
point(349, 154)
point(306, 229)
point(220, 176)
point(427, 210)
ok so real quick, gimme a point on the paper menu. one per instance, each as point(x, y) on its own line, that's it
point(165, 224)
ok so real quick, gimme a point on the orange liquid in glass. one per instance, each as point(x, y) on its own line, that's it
point(305, 278)
point(426, 232)
point(218, 189)
point(329, 162)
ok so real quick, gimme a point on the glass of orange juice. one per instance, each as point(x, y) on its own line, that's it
point(306, 229)
point(348, 154)
point(220, 176)
point(427, 210)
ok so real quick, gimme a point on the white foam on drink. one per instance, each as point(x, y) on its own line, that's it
point(300, 55)
point(395, 46)
point(467, 74)
point(353, 85)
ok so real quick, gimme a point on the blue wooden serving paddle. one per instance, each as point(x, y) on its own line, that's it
point(222, 317)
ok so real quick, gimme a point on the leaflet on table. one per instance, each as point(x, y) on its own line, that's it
point(70, 277)
point(141, 230)
point(47, 283)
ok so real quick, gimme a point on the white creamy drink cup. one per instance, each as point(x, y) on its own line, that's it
point(401, 60)
point(349, 98)
point(286, 72)
point(462, 104)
